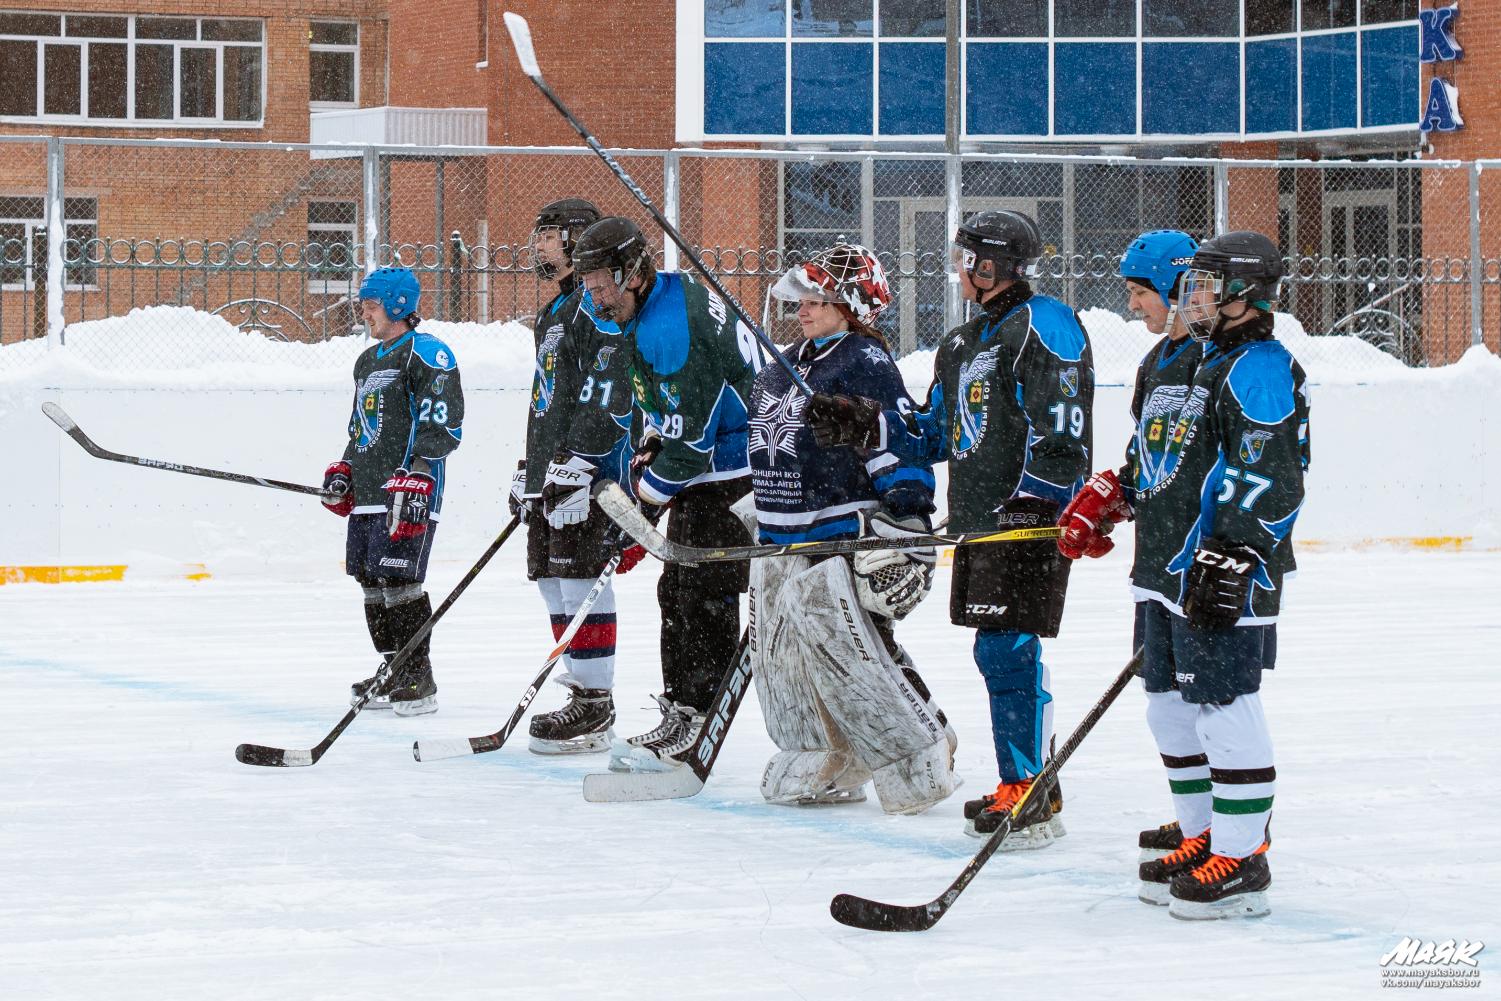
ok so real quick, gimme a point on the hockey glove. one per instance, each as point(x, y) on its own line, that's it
point(891, 582)
point(646, 453)
point(520, 504)
point(1218, 584)
point(409, 503)
point(844, 420)
point(1028, 512)
point(565, 494)
point(338, 488)
point(1089, 518)
point(629, 557)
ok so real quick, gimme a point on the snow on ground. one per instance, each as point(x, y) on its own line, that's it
point(143, 862)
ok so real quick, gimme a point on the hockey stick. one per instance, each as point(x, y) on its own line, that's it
point(872, 915)
point(60, 417)
point(680, 783)
point(259, 754)
point(432, 750)
point(521, 39)
point(624, 512)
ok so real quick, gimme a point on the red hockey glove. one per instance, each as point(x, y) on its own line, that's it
point(629, 557)
point(1090, 516)
point(409, 503)
point(338, 488)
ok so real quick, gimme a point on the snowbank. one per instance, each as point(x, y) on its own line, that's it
point(199, 391)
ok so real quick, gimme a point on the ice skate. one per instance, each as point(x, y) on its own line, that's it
point(581, 726)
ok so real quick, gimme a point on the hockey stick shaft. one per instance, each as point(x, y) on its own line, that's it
point(495, 741)
point(636, 787)
point(60, 417)
point(521, 38)
point(259, 754)
point(624, 512)
point(859, 912)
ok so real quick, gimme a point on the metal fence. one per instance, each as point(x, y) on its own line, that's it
point(275, 238)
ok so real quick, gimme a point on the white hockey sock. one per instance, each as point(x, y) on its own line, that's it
point(590, 660)
point(1240, 766)
point(1172, 722)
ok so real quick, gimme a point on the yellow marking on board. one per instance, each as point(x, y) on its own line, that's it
point(84, 574)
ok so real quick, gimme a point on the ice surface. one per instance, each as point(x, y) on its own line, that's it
point(142, 862)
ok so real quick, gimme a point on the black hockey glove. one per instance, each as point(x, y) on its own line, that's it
point(1028, 512)
point(844, 420)
point(1219, 584)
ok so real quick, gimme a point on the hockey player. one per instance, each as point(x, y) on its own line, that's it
point(1153, 267)
point(580, 416)
point(1009, 408)
point(691, 372)
point(840, 697)
point(408, 416)
point(1214, 516)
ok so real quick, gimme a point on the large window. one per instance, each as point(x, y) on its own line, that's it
point(23, 242)
point(1081, 70)
point(334, 64)
point(119, 69)
point(332, 231)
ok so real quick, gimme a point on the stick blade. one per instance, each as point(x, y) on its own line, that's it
point(872, 915)
point(272, 757)
point(521, 39)
point(620, 509)
point(59, 416)
point(641, 787)
point(434, 750)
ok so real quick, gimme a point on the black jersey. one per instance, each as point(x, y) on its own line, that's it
point(1009, 408)
point(1232, 469)
point(1163, 381)
point(408, 403)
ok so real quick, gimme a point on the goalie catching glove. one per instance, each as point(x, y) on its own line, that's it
point(565, 492)
point(891, 582)
point(409, 507)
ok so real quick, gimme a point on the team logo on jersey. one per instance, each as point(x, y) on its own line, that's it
point(547, 369)
point(441, 358)
point(643, 397)
point(670, 394)
point(777, 421)
point(875, 354)
point(973, 413)
point(1068, 381)
point(602, 360)
point(368, 412)
point(440, 383)
point(1251, 445)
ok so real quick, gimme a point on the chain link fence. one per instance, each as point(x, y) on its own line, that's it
point(176, 254)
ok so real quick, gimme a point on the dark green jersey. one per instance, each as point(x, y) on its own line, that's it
point(408, 404)
point(693, 365)
point(1163, 382)
point(1232, 470)
point(581, 393)
point(1009, 408)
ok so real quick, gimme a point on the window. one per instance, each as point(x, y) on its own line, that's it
point(745, 18)
point(1190, 18)
point(1383, 11)
point(1271, 17)
point(1319, 14)
point(332, 231)
point(109, 69)
point(1007, 19)
point(333, 63)
point(912, 18)
point(23, 242)
point(1094, 18)
point(832, 18)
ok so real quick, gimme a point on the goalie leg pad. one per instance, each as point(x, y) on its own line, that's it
point(889, 725)
point(789, 702)
point(813, 778)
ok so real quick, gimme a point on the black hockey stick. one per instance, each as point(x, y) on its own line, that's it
point(680, 783)
point(259, 754)
point(432, 750)
point(60, 417)
point(623, 511)
point(872, 915)
point(521, 39)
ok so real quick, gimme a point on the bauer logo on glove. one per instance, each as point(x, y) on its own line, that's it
point(410, 504)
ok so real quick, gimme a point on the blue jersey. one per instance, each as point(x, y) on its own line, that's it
point(804, 492)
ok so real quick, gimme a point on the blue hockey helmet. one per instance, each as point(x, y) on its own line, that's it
point(1159, 258)
point(395, 289)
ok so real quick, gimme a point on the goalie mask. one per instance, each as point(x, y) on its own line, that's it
point(847, 275)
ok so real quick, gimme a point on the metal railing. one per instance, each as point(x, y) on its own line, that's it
point(274, 239)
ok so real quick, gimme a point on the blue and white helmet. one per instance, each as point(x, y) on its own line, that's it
point(1160, 259)
point(395, 289)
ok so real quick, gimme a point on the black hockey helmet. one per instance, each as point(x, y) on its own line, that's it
point(1241, 266)
point(570, 217)
point(998, 246)
point(614, 244)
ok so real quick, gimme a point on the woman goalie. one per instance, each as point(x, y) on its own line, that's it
point(841, 698)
